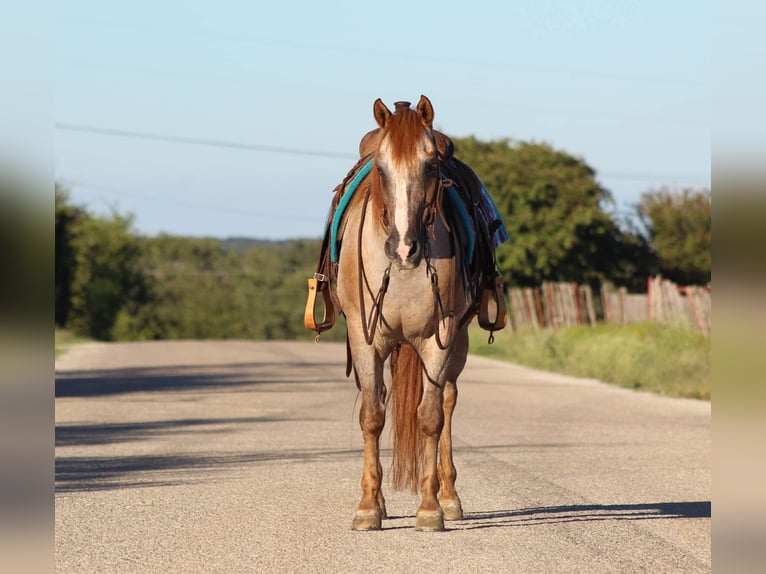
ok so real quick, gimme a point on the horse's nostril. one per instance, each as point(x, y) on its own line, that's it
point(413, 250)
point(390, 248)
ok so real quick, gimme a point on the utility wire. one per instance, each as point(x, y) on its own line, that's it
point(437, 57)
point(642, 177)
point(651, 178)
point(191, 204)
point(198, 141)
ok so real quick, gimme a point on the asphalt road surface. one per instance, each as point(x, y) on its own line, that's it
point(211, 456)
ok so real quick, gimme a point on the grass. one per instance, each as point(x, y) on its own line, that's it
point(646, 356)
point(64, 339)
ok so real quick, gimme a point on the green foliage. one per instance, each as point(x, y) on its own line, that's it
point(97, 273)
point(113, 285)
point(200, 288)
point(67, 216)
point(106, 278)
point(554, 210)
point(647, 356)
point(679, 226)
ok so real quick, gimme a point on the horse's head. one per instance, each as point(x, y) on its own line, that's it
point(408, 174)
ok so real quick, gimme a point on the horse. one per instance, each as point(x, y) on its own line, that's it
point(401, 280)
point(394, 238)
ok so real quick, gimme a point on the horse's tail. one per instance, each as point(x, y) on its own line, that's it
point(406, 393)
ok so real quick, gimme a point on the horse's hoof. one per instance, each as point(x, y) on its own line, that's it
point(366, 520)
point(430, 521)
point(452, 509)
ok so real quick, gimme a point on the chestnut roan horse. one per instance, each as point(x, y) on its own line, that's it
point(401, 284)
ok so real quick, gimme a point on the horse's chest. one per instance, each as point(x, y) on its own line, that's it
point(409, 302)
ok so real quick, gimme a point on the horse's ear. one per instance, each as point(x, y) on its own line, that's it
point(426, 111)
point(381, 112)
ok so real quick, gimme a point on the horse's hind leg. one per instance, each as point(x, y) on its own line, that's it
point(371, 508)
point(448, 498)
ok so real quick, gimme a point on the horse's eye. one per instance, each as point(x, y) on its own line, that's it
point(431, 169)
point(380, 171)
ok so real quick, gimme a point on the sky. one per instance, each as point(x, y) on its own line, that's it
point(233, 118)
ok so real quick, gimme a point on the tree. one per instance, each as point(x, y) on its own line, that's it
point(554, 210)
point(206, 288)
point(67, 217)
point(679, 229)
point(97, 272)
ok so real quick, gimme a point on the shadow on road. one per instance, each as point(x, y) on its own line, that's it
point(585, 512)
point(120, 470)
point(199, 378)
point(109, 433)
point(75, 474)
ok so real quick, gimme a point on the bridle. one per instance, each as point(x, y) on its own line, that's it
point(444, 314)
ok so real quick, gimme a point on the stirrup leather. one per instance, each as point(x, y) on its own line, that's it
point(495, 291)
point(319, 283)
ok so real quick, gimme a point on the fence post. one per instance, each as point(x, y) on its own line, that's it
point(623, 292)
point(605, 304)
point(540, 315)
point(649, 297)
point(589, 305)
point(529, 297)
point(578, 308)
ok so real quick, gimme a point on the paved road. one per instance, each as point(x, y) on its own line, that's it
point(246, 457)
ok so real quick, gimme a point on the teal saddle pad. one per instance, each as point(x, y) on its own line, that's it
point(456, 209)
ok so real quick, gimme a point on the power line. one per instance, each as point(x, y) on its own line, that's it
point(199, 141)
point(437, 57)
point(440, 57)
point(653, 178)
point(191, 204)
point(641, 177)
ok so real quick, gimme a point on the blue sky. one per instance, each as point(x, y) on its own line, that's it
point(625, 85)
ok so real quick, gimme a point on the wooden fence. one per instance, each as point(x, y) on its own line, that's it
point(664, 302)
point(622, 307)
point(556, 305)
point(552, 305)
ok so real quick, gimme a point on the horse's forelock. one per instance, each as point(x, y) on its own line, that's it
point(404, 133)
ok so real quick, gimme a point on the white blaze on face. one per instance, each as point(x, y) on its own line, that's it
point(399, 174)
point(401, 209)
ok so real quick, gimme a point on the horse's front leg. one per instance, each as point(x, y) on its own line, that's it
point(448, 497)
point(442, 369)
point(372, 416)
point(429, 515)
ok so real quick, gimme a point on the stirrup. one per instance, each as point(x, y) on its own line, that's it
point(501, 314)
point(319, 283)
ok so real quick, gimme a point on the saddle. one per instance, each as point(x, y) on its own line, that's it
point(468, 212)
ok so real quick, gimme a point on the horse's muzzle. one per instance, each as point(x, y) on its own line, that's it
point(404, 254)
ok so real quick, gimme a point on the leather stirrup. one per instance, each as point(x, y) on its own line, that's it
point(501, 314)
point(319, 283)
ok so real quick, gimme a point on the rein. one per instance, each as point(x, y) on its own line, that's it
point(437, 206)
point(369, 322)
point(439, 306)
